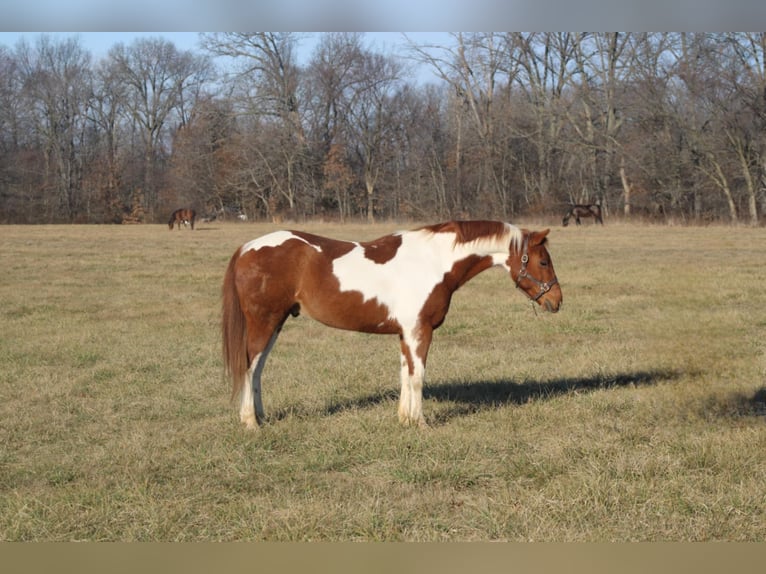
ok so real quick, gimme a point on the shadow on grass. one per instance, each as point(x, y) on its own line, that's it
point(735, 405)
point(757, 403)
point(493, 393)
point(386, 396)
point(463, 398)
point(468, 397)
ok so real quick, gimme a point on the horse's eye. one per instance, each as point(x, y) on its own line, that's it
point(543, 263)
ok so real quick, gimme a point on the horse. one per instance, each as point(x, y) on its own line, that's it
point(183, 216)
point(399, 284)
point(587, 210)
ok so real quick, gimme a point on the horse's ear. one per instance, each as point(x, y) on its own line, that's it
point(538, 237)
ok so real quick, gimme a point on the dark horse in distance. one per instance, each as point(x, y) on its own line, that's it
point(577, 211)
point(182, 216)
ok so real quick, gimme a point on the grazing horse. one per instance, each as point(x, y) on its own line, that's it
point(182, 216)
point(399, 284)
point(590, 210)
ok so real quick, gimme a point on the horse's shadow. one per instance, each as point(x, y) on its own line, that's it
point(467, 397)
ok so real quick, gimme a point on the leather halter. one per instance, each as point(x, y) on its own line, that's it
point(544, 286)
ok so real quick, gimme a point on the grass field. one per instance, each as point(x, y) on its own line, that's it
point(636, 413)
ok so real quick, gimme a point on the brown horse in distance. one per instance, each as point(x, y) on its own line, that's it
point(183, 216)
point(583, 210)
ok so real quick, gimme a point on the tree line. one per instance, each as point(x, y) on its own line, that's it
point(650, 125)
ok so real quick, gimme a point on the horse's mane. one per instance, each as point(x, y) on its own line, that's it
point(473, 231)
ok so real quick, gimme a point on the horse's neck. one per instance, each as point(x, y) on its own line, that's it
point(470, 259)
point(495, 246)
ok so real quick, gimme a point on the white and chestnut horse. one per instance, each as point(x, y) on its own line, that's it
point(399, 284)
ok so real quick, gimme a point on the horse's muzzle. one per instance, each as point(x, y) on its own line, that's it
point(552, 300)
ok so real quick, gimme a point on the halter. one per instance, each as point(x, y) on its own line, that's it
point(544, 286)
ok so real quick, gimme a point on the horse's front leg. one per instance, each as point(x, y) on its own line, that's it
point(414, 350)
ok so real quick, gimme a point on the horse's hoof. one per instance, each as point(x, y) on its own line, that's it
point(410, 422)
point(250, 423)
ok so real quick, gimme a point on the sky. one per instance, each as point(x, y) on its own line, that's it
point(168, 18)
point(99, 43)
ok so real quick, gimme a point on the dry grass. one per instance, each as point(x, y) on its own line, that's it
point(637, 413)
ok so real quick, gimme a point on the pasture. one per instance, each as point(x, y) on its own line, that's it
point(637, 413)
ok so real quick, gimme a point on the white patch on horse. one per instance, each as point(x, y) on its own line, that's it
point(274, 239)
point(404, 283)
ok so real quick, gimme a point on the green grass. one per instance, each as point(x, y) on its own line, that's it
point(636, 413)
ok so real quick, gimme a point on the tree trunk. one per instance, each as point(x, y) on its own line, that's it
point(625, 187)
point(723, 183)
point(370, 201)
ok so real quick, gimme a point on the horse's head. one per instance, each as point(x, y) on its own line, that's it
point(532, 270)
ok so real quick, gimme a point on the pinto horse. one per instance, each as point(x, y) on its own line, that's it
point(182, 216)
point(578, 211)
point(399, 284)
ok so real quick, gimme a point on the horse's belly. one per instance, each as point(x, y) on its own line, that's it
point(352, 314)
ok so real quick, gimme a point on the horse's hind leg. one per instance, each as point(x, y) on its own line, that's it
point(251, 411)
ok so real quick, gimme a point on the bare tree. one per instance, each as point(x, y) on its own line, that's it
point(107, 114)
point(157, 78)
point(547, 69)
point(472, 68)
point(332, 82)
point(370, 119)
point(204, 157)
point(266, 77)
point(745, 74)
point(267, 70)
point(666, 123)
point(604, 68)
point(56, 78)
point(13, 203)
point(352, 93)
point(707, 99)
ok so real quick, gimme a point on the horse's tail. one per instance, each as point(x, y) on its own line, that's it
point(233, 330)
